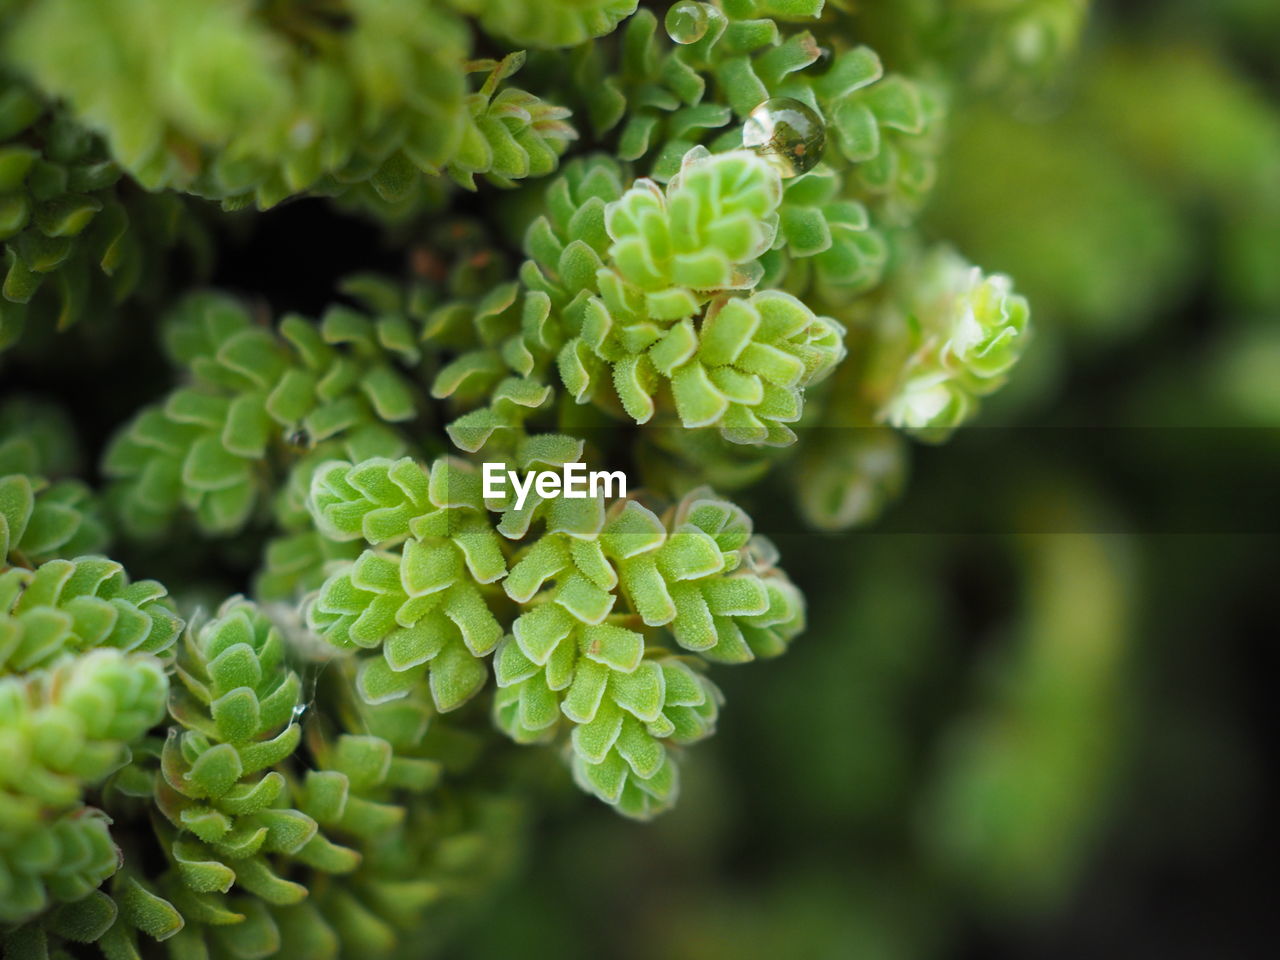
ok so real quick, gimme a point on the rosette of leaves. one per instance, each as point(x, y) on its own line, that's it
point(64, 729)
point(584, 654)
point(474, 349)
point(673, 257)
point(882, 131)
point(704, 232)
point(741, 370)
point(745, 53)
point(668, 104)
point(507, 134)
point(701, 573)
point(950, 337)
point(673, 98)
point(572, 662)
point(421, 609)
point(655, 91)
point(258, 103)
point(70, 606)
point(79, 685)
point(233, 833)
point(255, 398)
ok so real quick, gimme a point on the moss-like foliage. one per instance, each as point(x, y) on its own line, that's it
point(80, 684)
point(606, 598)
point(247, 816)
point(422, 605)
point(639, 295)
point(73, 243)
point(233, 827)
point(253, 396)
point(245, 104)
point(607, 267)
point(582, 659)
point(63, 729)
point(69, 606)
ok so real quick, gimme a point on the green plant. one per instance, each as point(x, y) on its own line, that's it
point(703, 311)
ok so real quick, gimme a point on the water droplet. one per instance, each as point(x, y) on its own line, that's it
point(787, 133)
point(687, 21)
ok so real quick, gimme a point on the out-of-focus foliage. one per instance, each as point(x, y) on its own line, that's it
point(962, 332)
point(243, 102)
point(73, 242)
point(80, 684)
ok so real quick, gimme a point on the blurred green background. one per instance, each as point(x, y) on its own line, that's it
point(1027, 719)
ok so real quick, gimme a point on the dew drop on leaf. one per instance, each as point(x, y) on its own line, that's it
point(787, 133)
point(687, 21)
